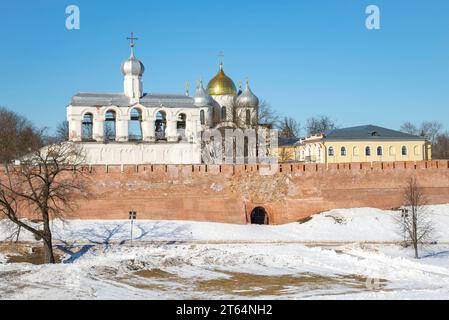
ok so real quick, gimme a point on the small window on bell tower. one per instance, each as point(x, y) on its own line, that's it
point(248, 117)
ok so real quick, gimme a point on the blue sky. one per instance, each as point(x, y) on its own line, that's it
point(303, 57)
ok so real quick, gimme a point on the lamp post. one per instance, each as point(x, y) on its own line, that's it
point(405, 216)
point(132, 216)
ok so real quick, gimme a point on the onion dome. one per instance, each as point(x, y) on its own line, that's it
point(221, 84)
point(247, 99)
point(240, 88)
point(202, 98)
point(133, 66)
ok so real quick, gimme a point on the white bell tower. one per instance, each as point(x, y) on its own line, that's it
point(133, 70)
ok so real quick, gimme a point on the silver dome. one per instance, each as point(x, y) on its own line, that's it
point(202, 98)
point(247, 99)
point(133, 67)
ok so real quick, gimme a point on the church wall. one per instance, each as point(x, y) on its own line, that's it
point(136, 153)
point(226, 101)
point(228, 193)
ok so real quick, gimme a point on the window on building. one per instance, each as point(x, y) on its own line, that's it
point(223, 113)
point(379, 151)
point(417, 150)
point(245, 148)
point(367, 151)
point(404, 150)
point(135, 125)
point(331, 152)
point(160, 125)
point(392, 151)
point(343, 151)
point(181, 126)
point(248, 117)
point(181, 123)
point(110, 126)
point(202, 118)
point(355, 151)
point(87, 130)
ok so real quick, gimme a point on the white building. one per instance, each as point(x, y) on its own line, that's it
point(134, 127)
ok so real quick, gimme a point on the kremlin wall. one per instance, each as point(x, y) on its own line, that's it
point(229, 193)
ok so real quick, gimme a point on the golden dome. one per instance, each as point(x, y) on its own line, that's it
point(221, 84)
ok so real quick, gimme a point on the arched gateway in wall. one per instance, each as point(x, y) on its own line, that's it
point(259, 216)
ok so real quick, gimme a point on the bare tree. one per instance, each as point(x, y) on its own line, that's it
point(430, 130)
point(286, 154)
point(415, 223)
point(62, 131)
point(319, 124)
point(409, 128)
point(45, 183)
point(289, 128)
point(440, 149)
point(267, 116)
point(17, 136)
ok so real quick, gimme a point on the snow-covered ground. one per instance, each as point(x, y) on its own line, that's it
point(327, 257)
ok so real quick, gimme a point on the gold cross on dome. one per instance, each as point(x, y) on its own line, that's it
point(221, 57)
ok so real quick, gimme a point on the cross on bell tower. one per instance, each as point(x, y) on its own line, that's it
point(131, 42)
point(133, 70)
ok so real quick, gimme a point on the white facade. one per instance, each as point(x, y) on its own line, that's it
point(142, 153)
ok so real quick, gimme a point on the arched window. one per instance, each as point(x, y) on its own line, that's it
point(367, 151)
point(135, 125)
point(181, 126)
point(392, 151)
point(417, 151)
point(181, 123)
point(248, 117)
point(343, 151)
point(109, 126)
point(223, 113)
point(160, 125)
point(87, 130)
point(331, 152)
point(379, 151)
point(202, 118)
point(404, 150)
point(355, 151)
point(245, 148)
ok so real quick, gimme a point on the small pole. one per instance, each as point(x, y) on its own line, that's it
point(132, 217)
point(132, 226)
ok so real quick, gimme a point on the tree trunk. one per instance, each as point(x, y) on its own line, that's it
point(48, 245)
point(48, 251)
point(415, 233)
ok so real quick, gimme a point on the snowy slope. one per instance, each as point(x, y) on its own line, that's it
point(100, 263)
point(363, 224)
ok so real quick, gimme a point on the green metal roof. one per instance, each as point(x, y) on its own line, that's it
point(369, 132)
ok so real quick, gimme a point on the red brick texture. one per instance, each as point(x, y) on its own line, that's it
point(228, 193)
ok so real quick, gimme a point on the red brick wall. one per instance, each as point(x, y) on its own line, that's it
point(224, 193)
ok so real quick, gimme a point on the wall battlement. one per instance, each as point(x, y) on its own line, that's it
point(229, 193)
point(264, 169)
